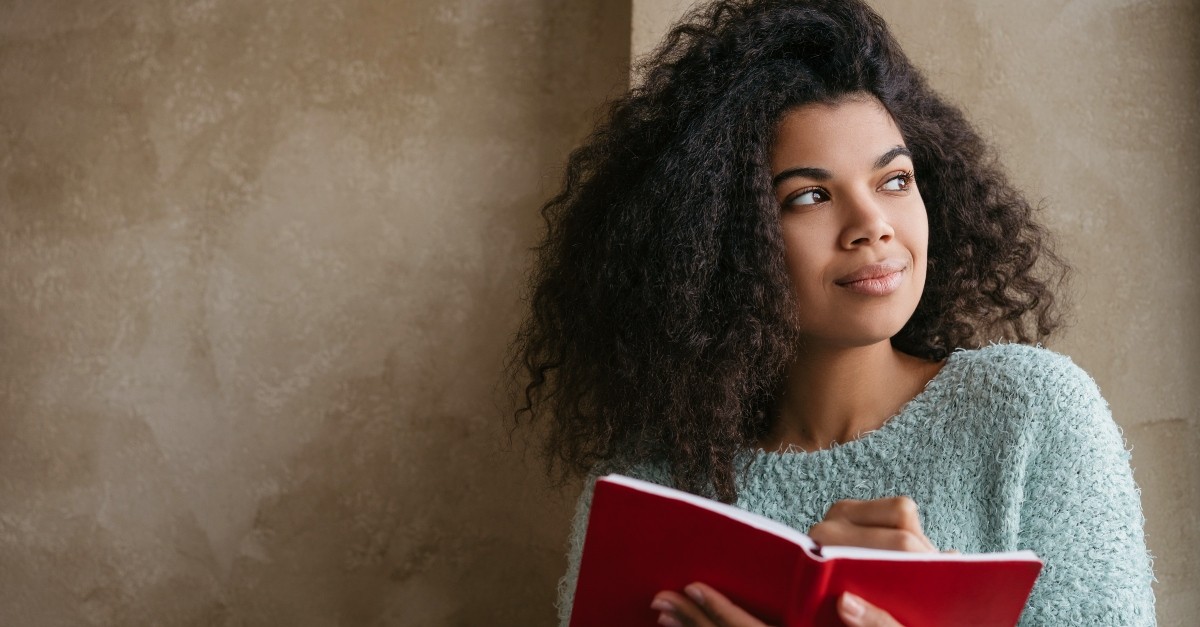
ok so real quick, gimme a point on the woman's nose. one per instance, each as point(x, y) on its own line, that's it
point(866, 223)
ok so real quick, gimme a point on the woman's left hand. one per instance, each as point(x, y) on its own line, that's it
point(705, 607)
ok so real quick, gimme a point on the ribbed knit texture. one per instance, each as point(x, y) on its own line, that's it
point(1008, 447)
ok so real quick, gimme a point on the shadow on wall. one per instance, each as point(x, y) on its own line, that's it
point(259, 273)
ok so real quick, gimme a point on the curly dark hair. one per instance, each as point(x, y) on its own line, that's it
point(662, 315)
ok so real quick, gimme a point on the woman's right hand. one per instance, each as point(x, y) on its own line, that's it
point(888, 523)
point(856, 612)
point(703, 606)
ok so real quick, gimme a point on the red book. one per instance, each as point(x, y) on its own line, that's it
point(643, 538)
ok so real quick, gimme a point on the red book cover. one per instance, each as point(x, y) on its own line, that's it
point(643, 538)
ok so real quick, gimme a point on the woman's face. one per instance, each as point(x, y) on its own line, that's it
point(854, 225)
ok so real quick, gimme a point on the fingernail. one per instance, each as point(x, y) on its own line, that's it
point(852, 605)
point(668, 620)
point(662, 605)
point(694, 592)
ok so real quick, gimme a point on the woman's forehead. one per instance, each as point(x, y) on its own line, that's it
point(851, 132)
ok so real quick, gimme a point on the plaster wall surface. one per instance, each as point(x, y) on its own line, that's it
point(1092, 107)
point(650, 20)
point(259, 264)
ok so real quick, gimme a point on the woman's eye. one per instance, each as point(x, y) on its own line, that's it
point(809, 197)
point(898, 183)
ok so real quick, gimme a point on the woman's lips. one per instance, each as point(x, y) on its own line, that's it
point(877, 279)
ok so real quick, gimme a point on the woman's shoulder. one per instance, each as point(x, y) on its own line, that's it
point(1015, 358)
point(1019, 370)
point(1032, 385)
point(653, 471)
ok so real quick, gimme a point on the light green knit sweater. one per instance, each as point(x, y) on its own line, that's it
point(1008, 447)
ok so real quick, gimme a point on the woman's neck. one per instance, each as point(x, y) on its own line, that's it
point(833, 395)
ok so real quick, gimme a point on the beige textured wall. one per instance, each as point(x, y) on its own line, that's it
point(651, 20)
point(258, 269)
point(258, 263)
point(1095, 109)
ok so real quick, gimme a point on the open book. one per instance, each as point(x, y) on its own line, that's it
point(643, 538)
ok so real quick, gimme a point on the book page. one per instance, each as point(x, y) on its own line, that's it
point(856, 552)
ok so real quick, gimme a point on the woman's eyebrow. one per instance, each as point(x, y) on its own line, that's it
point(821, 174)
point(887, 157)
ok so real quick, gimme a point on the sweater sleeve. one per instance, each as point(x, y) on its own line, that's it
point(566, 585)
point(1082, 512)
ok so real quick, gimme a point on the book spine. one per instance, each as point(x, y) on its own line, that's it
point(809, 585)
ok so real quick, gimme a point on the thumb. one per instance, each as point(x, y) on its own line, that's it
point(856, 612)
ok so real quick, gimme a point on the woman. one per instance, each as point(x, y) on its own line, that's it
point(767, 280)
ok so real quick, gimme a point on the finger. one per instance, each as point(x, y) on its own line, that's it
point(719, 608)
point(677, 610)
point(842, 533)
point(856, 612)
point(899, 512)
